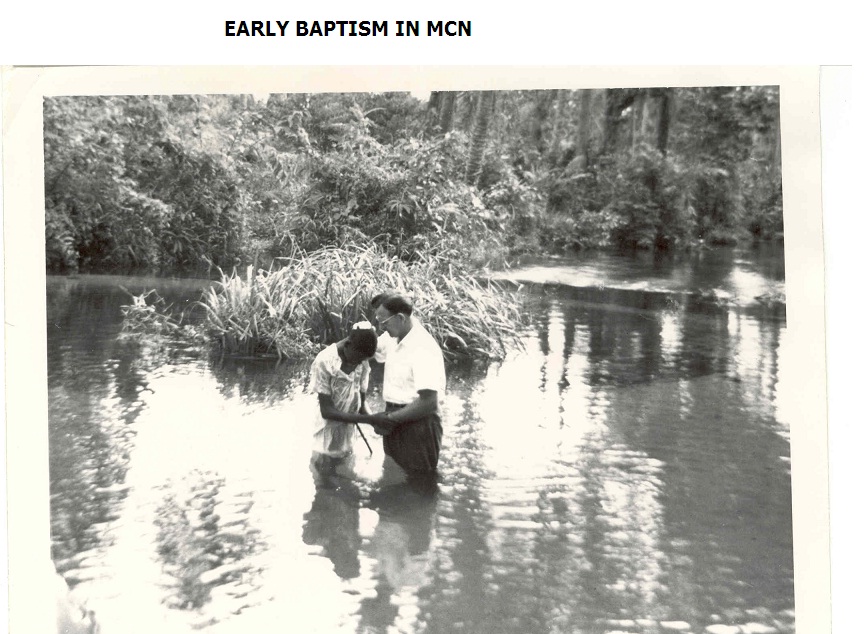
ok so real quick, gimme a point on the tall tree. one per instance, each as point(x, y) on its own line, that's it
point(645, 123)
point(775, 151)
point(480, 136)
point(664, 119)
point(618, 100)
point(585, 123)
point(448, 108)
point(543, 104)
point(557, 117)
point(470, 101)
point(433, 110)
point(440, 111)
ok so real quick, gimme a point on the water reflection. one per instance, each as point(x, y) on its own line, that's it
point(400, 546)
point(204, 538)
point(333, 522)
point(264, 381)
point(377, 524)
point(629, 471)
point(95, 385)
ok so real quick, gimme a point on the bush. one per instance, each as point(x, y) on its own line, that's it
point(560, 233)
point(767, 219)
point(408, 197)
point(207, 219)
point(515, 201)
point(712, 194)
point(762, 200)
point(125, 189)
point(141, 319)
point(641, 189)
point(60, 252)
point(313, 299)
point(256, 315)
point(635, 200)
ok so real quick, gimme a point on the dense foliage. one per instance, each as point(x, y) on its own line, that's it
point(132, 182)
point(185, 182)
point(313, 299)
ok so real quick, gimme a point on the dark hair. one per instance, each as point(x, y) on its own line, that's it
point(376, 301)
point(397, 304)
point(364, 341)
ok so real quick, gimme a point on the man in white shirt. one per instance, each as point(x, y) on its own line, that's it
point(414, 380)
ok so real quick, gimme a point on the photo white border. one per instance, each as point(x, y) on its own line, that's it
point(26, 371)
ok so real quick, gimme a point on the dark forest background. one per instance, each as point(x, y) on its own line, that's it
point(182, 183)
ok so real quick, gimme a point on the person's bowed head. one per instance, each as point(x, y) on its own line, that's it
point(360, 344)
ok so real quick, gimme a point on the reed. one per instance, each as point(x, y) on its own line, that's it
point(252, 315)
point(312, 299)
point(142, 319)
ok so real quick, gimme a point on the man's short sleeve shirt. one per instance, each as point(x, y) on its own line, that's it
point(411, 365)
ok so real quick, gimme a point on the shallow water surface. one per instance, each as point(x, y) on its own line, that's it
point(628, 471)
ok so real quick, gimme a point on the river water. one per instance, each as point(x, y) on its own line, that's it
point(628, 471)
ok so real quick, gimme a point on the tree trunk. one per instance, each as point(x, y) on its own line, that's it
point(542, 105)
point(470, 100)
point(617, 101)
point(776, 163)
point(558, 114)
point(634, 120)
point(433, 109)
point(585, 123)
point(646, 118)
point(664, 119)
point(480, 136)
point(448, 106)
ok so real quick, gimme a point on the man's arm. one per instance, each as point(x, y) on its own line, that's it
point(329, 411)
point(425, 404)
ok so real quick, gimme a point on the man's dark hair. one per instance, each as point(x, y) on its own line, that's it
point(397, 304)
point(364, 341)
point(376, 301)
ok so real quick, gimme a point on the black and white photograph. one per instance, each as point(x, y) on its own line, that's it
point(393, 352)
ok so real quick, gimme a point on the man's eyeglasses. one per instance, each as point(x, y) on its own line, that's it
point(381, 323)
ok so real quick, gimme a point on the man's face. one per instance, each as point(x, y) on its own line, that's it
point(388, 322)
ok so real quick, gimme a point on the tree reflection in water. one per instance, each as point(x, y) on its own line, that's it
point(204, 538)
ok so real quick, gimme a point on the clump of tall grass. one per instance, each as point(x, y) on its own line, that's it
point(312, 299)
point(256, 314)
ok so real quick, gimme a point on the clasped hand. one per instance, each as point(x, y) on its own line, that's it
point(381, 423)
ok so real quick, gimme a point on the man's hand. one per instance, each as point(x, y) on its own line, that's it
point(381, 423)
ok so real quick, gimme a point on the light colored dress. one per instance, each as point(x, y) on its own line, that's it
point(329, 437)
